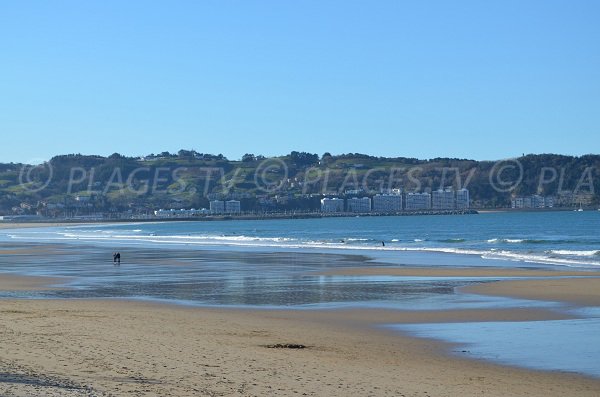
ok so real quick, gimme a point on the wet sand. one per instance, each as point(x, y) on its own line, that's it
point(128, 348)
point(584, 291)
point(10, 282)
point(453, 272)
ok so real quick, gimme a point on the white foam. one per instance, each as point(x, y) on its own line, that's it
point(537, 258)
point(505, 240)
point(575, 253)
point(553, 257)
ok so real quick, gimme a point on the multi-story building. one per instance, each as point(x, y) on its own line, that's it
point(443, 199)
point(517, 202)
point(362, 204)
point(535, 201)
point(418, 201)
point(462, 199)
point(387, 202)
point(332, 204)
point(233, 207)
point(217, 207)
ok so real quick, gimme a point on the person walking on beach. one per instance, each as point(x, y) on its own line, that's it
point(117, 258)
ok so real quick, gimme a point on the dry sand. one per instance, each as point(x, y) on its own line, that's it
point(22, 225)
point(139, 349)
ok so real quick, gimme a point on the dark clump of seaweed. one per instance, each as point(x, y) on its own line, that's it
point(286, 346)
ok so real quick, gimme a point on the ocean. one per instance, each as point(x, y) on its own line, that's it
point(566, 238)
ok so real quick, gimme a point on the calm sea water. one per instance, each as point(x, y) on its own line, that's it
point(558, 345)
point(280, 264)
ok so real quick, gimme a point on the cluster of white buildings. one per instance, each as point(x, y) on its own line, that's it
point(443, 199)
point(534, 201)
point(225, 207)
point(216, 207)
point(182, 213)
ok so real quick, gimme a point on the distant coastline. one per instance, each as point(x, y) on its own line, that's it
point(210, 218)
point(40, 221)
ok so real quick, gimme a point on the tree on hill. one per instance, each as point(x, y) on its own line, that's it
point(303, 159)
point(248, 157)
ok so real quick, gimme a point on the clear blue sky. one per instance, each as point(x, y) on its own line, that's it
point(475, 79)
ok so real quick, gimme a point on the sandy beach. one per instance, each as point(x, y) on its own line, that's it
point(116, 347)
point(27, 225)
point(127, 348)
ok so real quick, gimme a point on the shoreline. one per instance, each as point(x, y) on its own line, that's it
point(29, 225)
point(8, 224)
point(55, 222)
point(41, 222)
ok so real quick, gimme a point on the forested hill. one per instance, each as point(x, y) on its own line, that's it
point(295, 181)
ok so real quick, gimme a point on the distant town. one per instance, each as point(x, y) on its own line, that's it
point(391, 202)
point(384, 203)
point(192, 185)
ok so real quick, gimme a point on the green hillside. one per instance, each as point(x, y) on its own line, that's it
point(297, 181)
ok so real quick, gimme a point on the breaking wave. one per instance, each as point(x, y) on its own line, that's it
point(543, 251)
point(529, 241)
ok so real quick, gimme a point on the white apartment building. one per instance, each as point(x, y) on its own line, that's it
point(387, 202)
point(518, 202)
point(332, 205)
point(362, 204)
point(418, 201)
point(462, 199)
point(535, 201)
point(217, 207)
point(233, 207)
point(442, 199)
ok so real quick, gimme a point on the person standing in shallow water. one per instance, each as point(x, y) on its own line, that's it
point(117, 258)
